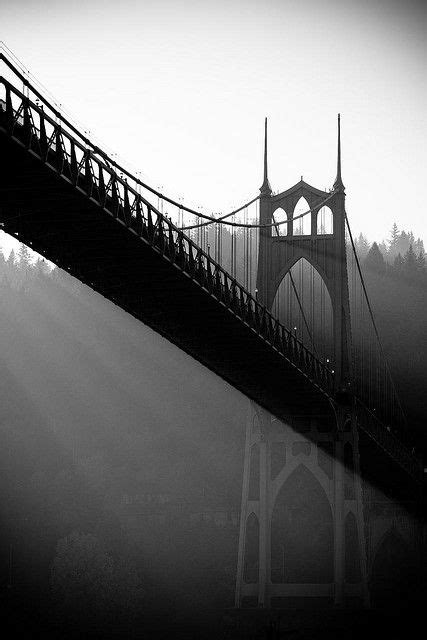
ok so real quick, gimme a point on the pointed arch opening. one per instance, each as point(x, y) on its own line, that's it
point(302, 226)
point(278, 216)
point(302, 532)
point(325, 221)
point(251, 566)
point(303, 304)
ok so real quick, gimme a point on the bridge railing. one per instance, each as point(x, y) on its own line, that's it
point(41, 129)
point(48, 138)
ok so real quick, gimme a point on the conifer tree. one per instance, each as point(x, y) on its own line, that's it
point(383, 248)
point(394, 235)
point(375, 259)
point(421, 263)
point(410, 266)
point(12, 258)
point(42, 267)
point(419, 246)
point(362, 246)
point(398, 264)
point(24, 256)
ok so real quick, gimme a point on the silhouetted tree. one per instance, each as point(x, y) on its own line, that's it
point(421, 262)
point(362, 246)
point(419, 246)
point(24, 256)
point(42, 267)
point(398, 264)
point(375, 259)
point(11, 261)
point(383, 248)
point(410, 266)
point(394, 236)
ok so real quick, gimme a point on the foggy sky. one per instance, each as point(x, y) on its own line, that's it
point(179, 89)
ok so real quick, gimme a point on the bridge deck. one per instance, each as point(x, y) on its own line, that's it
point(60, 222)
point(60, 199)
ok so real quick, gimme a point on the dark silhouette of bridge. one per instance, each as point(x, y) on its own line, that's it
point(64, 197)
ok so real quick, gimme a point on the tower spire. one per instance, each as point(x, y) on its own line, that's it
point(338, 184)
point(265, 188)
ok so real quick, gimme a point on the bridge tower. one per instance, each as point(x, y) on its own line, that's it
point(302, 534)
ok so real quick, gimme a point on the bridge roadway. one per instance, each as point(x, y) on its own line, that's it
point(58, 197)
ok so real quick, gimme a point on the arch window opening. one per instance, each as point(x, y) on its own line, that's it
point(302, 226)
point(278, 216)
point(302, 532)
point(325, 221)
point(303, 304)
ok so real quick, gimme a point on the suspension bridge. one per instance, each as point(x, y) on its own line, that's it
point(270, 296)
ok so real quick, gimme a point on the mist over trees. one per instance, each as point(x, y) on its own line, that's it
point(400, 255)
point(396, 276)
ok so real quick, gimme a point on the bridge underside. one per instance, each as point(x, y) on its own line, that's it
point(59, 221)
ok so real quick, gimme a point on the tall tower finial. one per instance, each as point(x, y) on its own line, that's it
point(265, 188)
point(338, 180)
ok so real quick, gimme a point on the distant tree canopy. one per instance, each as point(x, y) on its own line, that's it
point(374, 259)
point(401, 255)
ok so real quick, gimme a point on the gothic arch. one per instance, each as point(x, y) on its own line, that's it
point(302, 226)
point(311, 293)
point(292, 464)
point(302, 542)
point(325, 221)
point(303, 255)
point(251, 564)
point(278, 215)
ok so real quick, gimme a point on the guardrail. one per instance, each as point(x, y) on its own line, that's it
point(45, 138)
point(71, 156)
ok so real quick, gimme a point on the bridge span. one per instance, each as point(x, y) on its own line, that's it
point(62, 196)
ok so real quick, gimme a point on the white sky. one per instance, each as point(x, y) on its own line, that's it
point(180, 89)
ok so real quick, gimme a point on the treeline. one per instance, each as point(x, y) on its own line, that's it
point(401, 255)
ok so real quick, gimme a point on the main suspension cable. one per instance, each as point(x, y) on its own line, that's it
point(97, 150)
point(181, 207)
point(222, 219)
point(371, 313)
